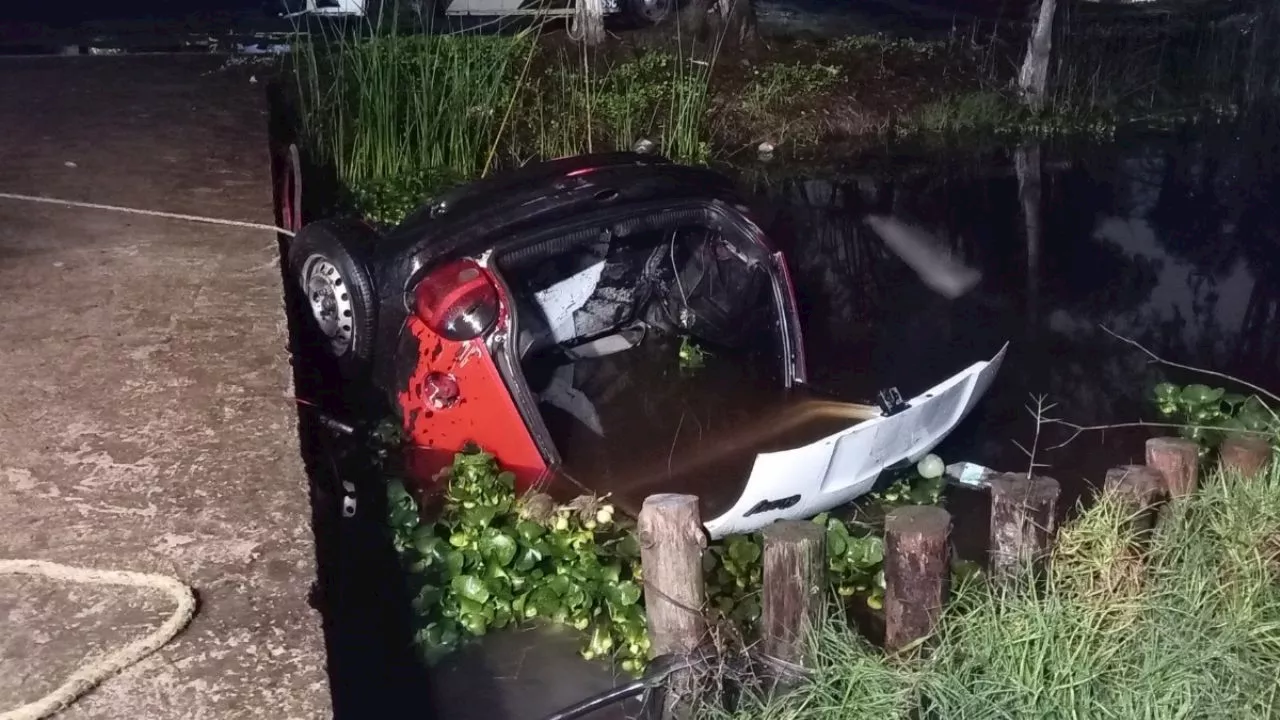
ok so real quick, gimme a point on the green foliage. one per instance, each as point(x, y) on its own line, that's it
point(997, 114)
point(398, 116)
point(387, 201)
point(855, 556)
point(1189, 629)
point(692, 356)
point(777, 86)
point(492, 560)
point(581, 105)
point(1209, 414)
point(380, 107)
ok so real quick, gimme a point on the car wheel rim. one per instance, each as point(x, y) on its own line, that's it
point(330, 301)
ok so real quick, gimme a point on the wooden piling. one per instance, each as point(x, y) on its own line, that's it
point(672, 540)
point(1141, 489)
point(1245, 453)
point(1024, 519)
point(916, 573)
point(1178, 460)
point(590, 18)
point(794, 599)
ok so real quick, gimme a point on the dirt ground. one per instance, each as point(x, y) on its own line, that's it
point(147, 421)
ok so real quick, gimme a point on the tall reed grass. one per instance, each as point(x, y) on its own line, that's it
point(1189, 629)
point(396, 115)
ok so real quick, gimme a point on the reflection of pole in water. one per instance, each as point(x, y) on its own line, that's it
point(1027, 162)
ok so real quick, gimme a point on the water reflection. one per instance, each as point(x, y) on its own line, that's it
point(1173, 242)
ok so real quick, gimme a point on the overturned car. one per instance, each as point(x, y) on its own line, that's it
point(611, 323)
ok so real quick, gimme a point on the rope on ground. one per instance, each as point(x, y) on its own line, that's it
point(139, 211)
point(89, 676)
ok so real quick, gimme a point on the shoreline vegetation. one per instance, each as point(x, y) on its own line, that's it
point(397, 115)
point(1181, 622)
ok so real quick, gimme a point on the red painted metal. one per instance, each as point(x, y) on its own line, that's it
point(456, 396)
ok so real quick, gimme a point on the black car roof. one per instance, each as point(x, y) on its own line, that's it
point(466, 218)
point(475, 217)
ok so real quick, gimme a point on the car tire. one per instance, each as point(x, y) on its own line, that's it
point(328, 260)
point(648, 13)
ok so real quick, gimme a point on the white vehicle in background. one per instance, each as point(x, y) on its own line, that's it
point(642, 11)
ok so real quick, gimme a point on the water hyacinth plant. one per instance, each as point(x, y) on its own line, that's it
point(490, 559)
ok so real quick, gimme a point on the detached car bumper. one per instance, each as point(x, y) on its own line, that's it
point(804, 481)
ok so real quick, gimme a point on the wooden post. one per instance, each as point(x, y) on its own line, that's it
point(916, 573)
point(1244, 453)
point(1024, 519)
point(795, 581)
point(1140, 488)
point(1178, 460)
point(671, 543)
point(591, 21)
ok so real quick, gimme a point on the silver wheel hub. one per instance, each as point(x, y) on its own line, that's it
point(330, 301)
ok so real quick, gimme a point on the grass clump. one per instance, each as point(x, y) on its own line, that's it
point(1186, 627)
point(378, 107)
point(398, 117)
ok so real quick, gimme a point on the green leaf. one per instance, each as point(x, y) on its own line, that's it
point(544, 601)
point(1201, 394)
point(429, 545)
point(1166, 392)
point(575, 596)
point(428, 598)
point(481, 516)
point(530, 531)
point(836, 542)
point(625, 593)
point(865, 551)
point(747, 611)
point(559, 585)
point(455, 560)
point(526, 560)
point(1255, 414)
point(471, 588)
point(1234, 399)
point(497, 547)
point(474, 624)
point(743, 550)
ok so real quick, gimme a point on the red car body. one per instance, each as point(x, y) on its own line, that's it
point(455, 389)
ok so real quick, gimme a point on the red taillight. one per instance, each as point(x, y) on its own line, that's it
point(458, 301)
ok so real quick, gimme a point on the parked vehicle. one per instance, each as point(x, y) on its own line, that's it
point(616, 323)
point(643, 11)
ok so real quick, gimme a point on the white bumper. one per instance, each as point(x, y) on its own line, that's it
point(805, 481)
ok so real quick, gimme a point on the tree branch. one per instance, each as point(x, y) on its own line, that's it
point(1212, 373)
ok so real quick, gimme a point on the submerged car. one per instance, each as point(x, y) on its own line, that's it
point(612, 323)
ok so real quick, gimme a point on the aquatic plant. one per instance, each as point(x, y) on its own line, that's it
point(1207, 414)
point(491, 559)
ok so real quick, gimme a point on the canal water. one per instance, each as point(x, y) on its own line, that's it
point(1169, 241)
point(1172, 242)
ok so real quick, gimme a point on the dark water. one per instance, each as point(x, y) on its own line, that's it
point(1173, 242)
